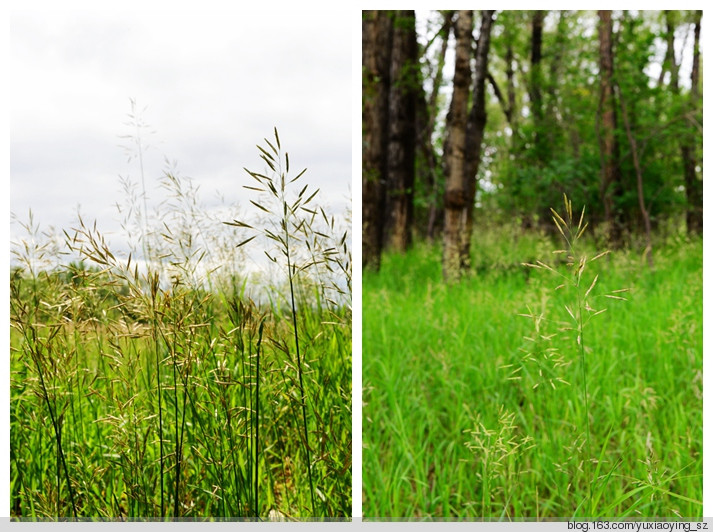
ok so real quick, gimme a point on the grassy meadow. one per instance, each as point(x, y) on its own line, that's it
point(507, 396)
point(182, 387)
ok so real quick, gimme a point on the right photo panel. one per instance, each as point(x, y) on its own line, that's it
point(532, 254)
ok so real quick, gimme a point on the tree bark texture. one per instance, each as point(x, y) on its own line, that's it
point(455, 199)
point(510, 75)
point(474, 134)
point(610, 174)
point(405, 83)
point(377, 29)
point(536, 83)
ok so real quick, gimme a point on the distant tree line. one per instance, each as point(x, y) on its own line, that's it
point(536, 104)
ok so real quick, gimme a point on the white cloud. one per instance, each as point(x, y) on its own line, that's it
point(214, 84)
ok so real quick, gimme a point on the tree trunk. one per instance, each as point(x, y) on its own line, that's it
point(536, 82)
point(670, 59)
point(606, 122)
point(474, 134)
point(402, 133)
point(669, 53)
point(693, 185)
point(456, 179)
point(377, 29)
point(639, 179)
point(510, 75)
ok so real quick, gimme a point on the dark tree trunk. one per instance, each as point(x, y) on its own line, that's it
point(693, 186)
point(610, 173)
point(474, 134)
point(510, 75)
point(402, 133)
point(377, 29)
point(455, 199)
point(692, 183)
point(536, 83)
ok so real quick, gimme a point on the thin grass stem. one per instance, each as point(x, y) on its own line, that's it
point(257, 416)
point(299, 367)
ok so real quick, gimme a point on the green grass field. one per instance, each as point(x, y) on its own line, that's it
point(179, 418)
point(178, 390)
point(474, 411)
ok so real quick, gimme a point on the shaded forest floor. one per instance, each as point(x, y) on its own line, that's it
point(472, 410)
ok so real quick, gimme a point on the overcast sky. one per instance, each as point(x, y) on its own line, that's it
point(211, 85)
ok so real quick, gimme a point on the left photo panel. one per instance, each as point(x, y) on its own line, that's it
point(180, 266)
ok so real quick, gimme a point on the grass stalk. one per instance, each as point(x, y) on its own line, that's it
point(585, 380)
point(177, 428)
point(257, 417)
point(299, 367)
point(25, 321)
point(572, 230)
point(61, 460)
point(284, 233)
point(154, 288)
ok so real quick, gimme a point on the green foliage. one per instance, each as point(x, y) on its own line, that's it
point(529, 161)
point(438, 365)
